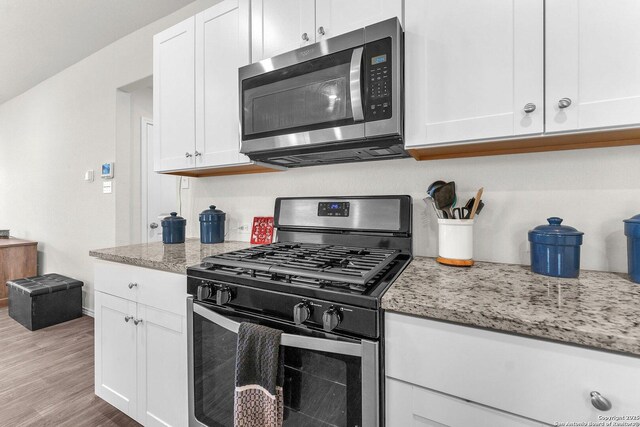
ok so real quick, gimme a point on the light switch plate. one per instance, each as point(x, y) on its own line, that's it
point(107, 187)
point(185, 182)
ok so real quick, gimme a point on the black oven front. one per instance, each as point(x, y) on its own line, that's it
point(329, 380)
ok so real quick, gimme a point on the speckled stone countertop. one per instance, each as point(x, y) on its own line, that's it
point(600, 310)
point(175, 258)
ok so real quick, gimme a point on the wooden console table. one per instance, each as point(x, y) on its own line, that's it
point(18, 259)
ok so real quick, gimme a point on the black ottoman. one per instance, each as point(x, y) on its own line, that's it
point(41, 301)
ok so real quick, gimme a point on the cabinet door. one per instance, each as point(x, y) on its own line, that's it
point(335, 17)
point(409, 405)
point(162, 368)
point(592, 59)
point(222, 46)
point(278, 26)
point(174, 97)
point(470, 69)
point(115, 352)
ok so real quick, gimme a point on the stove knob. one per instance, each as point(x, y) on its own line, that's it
point(204, 292)
point(223, 296)
point(330, 319)
point(301, 312)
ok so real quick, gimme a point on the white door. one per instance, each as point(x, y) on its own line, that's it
point(174, 97)
point(222, 46)
point(412, 406)
point(592, 64)
point(158, 191)
point(335, 17)
point(162, 368)
point(278, 26)
point(471, 67)
point(115, 352)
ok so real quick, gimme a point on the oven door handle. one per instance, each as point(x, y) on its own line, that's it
point(288, 340)
point(355, 86)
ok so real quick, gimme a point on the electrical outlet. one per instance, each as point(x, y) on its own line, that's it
point(185, 182)
point(244, 227)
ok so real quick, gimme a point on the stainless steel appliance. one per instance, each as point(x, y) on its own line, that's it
point(321, 284)
point(339, 100)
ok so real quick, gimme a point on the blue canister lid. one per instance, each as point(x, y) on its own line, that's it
point(173, 219)
point(556, 234)
point(211, 214)
point(632, 226)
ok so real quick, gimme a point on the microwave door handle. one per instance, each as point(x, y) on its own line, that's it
point(355, 85)
point(288, 340)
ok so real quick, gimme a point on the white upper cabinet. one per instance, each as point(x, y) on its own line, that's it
point(174, 97)
point(222, 46)
point(473, 70)
point(592, 60)
point(278, 26)
point(335, 17)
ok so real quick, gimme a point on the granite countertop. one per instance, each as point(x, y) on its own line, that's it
point(175, 258)
point(599, 309)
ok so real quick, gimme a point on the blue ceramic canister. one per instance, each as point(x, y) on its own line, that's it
point(212, 225)
point(555, 249)
point(173, 229)
point(632, 231)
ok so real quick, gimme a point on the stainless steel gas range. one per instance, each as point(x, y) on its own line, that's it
point(321, 284)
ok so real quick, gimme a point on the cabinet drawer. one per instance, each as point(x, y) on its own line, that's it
point(158, 289)
point(537, 379)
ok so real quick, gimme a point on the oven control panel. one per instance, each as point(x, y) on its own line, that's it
point(333, 209)
point(378, 76)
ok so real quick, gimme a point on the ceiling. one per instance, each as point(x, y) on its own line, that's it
point(39, 38)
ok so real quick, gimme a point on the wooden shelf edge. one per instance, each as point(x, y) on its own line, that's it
point(575, 141)
point(224, 171)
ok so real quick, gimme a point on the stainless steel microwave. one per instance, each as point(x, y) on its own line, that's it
point(339, 100)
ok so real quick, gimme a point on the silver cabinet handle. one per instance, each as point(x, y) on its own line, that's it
point(127, 318)
point(132, 285)
point(321, 31)
point(136, 321)
point(197, 153)
point(564, 103)
point(600, 402)
point(187, 155)
point(305, 37)
point(530, 108)
point(153, 225)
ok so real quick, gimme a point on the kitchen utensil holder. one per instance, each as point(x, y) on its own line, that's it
point(455, 242)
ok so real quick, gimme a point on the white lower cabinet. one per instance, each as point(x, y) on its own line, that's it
point(140, 349)
point(440, 374)
point(410, 405)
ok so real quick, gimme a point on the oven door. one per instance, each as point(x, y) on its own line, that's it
point(316, 101)
point(329, 381)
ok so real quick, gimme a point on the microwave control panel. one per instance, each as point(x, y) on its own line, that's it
point(378, 74)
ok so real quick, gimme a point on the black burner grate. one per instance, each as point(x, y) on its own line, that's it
point(302, 263)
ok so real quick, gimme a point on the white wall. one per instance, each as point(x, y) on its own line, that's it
point(51, 134)
point(593, 190)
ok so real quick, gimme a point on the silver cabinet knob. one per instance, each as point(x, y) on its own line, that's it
point(187, 155)
point(127, 318)
point(530, 108)
point(153, 225)
point(599, 401)
point(564, 103)
point(321, 31)
point(136, 321)
point(197, 153)
point(305, 37)
point(132, 285)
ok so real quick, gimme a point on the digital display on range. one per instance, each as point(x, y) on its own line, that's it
point(379, 59)
point(333, 209)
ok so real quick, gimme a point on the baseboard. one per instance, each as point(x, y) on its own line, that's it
point(88, 312)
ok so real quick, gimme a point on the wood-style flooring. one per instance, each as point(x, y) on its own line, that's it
point(46, 377)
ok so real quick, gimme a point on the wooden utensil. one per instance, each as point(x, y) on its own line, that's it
point(476, 203)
